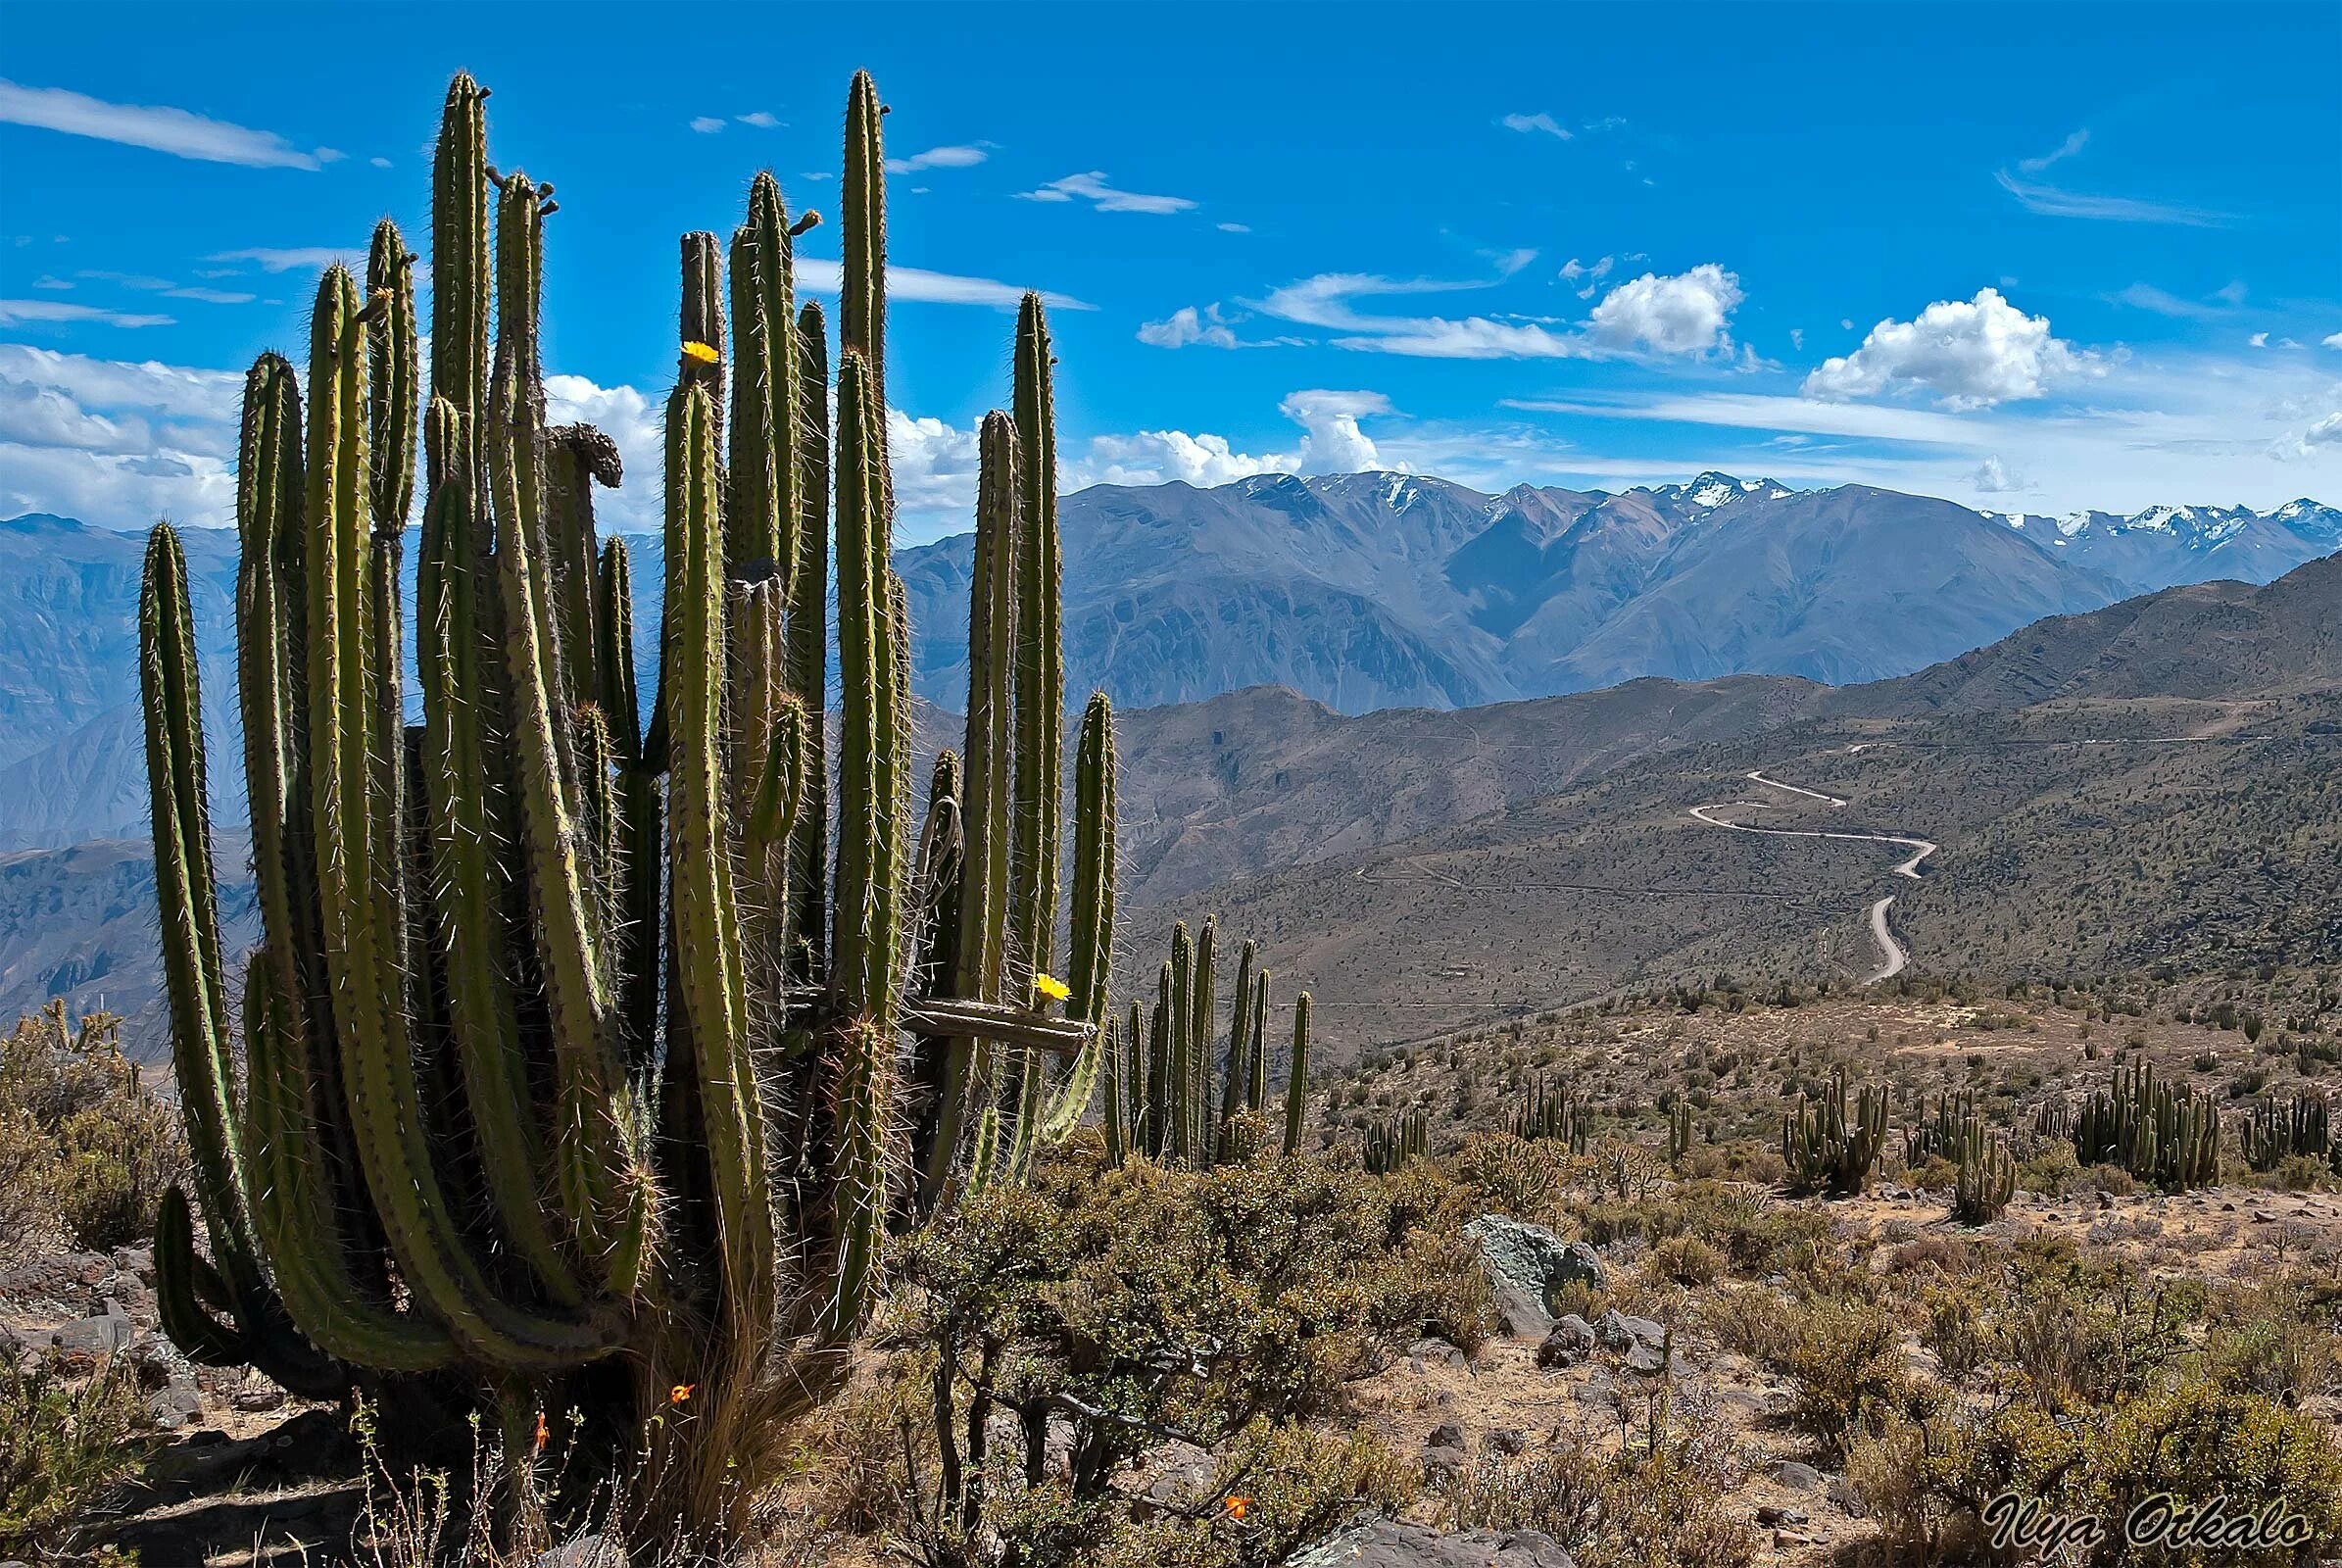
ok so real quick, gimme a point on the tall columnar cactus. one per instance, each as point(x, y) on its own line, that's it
point(1552, 1111)
point(1171, 1094)
point(1390, 1145)
point(571, 1051)
point(2274, 1131)
point(1988, 1174)
point(1938, 1136)
point(1832, 1146)
point(2160, 1134)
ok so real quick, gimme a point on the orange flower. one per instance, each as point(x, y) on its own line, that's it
point(680, 1392)
point(543, 1434)
point(1237, 1508)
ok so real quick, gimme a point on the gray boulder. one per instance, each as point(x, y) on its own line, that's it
point(1393, 1544)
point(91, 1339)
point(1570, 1341)
point(1525, 1266)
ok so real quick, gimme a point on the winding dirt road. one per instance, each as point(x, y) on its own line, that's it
point(1893, 954)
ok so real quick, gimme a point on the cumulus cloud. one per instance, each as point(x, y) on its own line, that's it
point(2332, 340)
point(708, 125)
point(160, 129)
point(1209, 327)
point(2326, 432)
point(1971, 354)
point(114, 442)
point(1332, 442)
point(937, 158)
point(1539, 121)
point(1688, 313)
point(1094, 188)
point(1994, 478)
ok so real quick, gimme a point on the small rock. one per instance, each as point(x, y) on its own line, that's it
point(1843, 1497)
point(1447, 1435)
point(253, 1401)
point(1769, 1516)
point(137, 1261)
point(91, 1339)
point(1619, 1332)
point(1441, 1461)
point(1570, 1340)
point(1796, 1476)
point(586, 1551)
point(1507, 1440)
point(1432, 1350)
point(1393, 1544)
point(174, 1405)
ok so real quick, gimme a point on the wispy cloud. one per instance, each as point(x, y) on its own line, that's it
point(160, 128)
point(1676, 316)
point(761, 119)
point(2066, 149)
point(820, 274)
point(61, 313)
point(2162, 302)
point(708, 125)
point(955, 156)
point(1539, 121)
point(294, 259)
point(1094, 188)
point(2052, 202)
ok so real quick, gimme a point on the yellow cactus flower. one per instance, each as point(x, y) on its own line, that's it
point(1048, 985)
point(696, 349)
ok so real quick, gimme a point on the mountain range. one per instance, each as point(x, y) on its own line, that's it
point(1358, 591)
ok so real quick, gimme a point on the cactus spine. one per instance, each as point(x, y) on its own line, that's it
point(469, 982)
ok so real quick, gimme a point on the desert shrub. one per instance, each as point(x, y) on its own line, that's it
point(2270, 1339)
point(2051, 1171)
point(86, 1149)
point(1278, 1488)
point(1933, 1485)
point(2088, 1331)
point(63, 1445)
point(1841, 1352)
point(1113, 1307)
point(1508, 1175)
point(1639, 1505)
point(1687, 1260)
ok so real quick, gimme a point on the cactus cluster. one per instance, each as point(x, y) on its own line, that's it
point(1832, 1146)
point(1161, 1098)
point(1388, 1145)
point(2274, 1132)
point(1552, 1111)
point(579, 1067)
point(1987, 1175)
point(2170, 1137)
point(1678, 1133)
point(1937, 1136)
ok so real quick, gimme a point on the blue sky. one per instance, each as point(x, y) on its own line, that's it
point(2031, 258)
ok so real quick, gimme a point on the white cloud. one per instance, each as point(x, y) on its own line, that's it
point(761, 119)
point(1207, 328)
point(708, 125)
point(379, 163)
point(1093, 187)
point(2162, 302)
point(1332, 442)
point(1994, 478)
point(2050, 202)
point(2258, 340)
point(1247, 228)
point(2066, 149)
point(2333, 341)
point(295, 259)
point(1539, 122)
point(1972, 354)
point(2326, 432)
point(160, 129)
point(822, 275)
point(1688, 313)
point(937, 158)
point(38, 312)
point(115, 443)
point(1673, 315)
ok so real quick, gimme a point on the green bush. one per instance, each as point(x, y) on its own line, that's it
point(85, 1150)
point(63, 1445)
